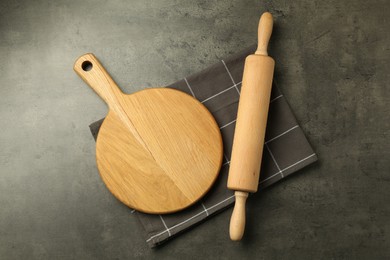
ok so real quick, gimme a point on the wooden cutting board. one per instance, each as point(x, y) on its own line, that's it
point(159, 150)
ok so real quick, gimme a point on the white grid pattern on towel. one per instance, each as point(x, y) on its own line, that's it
point(276, 98)
point(219, 93)
point(165, 225)
point(280, 171)
point(207, 212)
point(188, 85)
point(273, 159)
point(231, 77)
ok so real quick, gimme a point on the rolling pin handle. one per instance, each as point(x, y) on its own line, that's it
point(237, 221)
point(264, 33)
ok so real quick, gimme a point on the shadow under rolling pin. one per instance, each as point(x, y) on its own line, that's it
point(251, 123)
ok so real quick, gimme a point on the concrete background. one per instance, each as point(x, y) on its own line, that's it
point(333, 60)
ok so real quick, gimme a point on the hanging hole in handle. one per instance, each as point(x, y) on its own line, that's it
point(86, 65)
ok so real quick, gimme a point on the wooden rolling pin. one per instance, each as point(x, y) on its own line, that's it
point(251, 122)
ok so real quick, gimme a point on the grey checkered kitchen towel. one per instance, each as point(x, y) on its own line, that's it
point(286, 148)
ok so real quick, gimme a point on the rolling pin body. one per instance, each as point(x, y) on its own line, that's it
point(250, 128)
point(251, 121)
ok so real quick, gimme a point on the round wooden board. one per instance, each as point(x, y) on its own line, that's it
point(171, 160)
point(158, 150)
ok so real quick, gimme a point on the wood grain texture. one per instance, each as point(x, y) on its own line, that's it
point(252, 116)
point(251, 124)
point(159, 150)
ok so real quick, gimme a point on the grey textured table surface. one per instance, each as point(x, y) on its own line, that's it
point(333, 60)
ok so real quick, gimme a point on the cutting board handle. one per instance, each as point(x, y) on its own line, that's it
point(93, 73)
point(264, 32)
